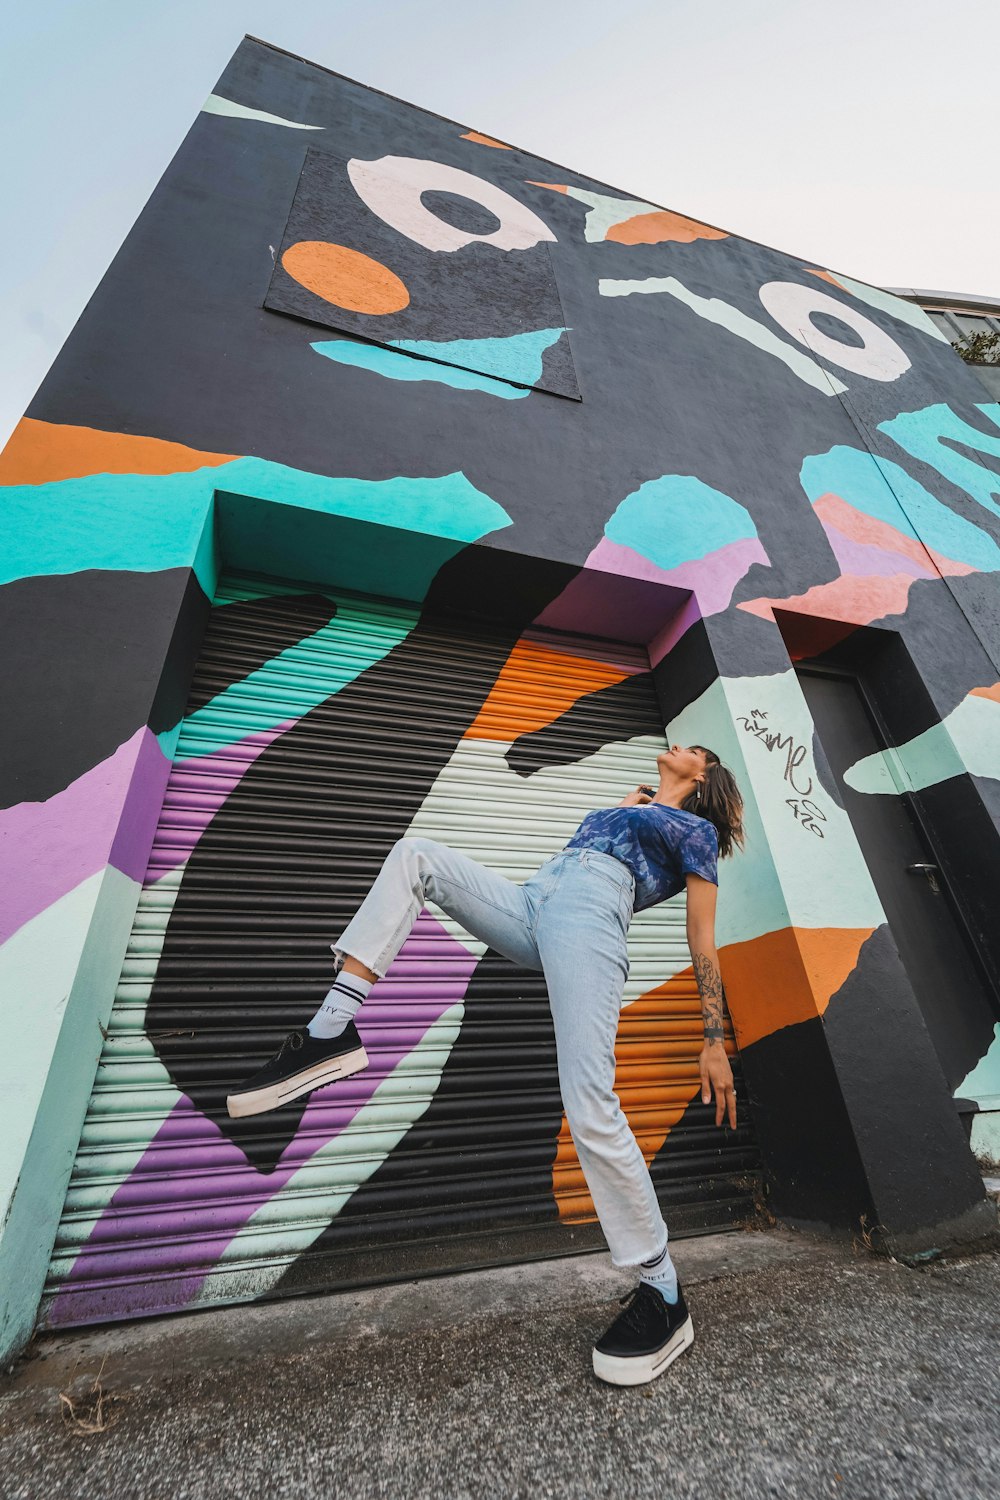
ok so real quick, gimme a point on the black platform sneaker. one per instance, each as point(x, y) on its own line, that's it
point(302, 1062)
point(645, 1338)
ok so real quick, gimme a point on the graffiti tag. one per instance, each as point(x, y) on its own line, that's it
point(806, 812)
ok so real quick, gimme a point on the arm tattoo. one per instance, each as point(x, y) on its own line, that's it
point(713, 996)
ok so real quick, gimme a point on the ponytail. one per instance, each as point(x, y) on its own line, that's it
point(718, 799)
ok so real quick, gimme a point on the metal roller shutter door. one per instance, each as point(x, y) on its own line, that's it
point(321, 727)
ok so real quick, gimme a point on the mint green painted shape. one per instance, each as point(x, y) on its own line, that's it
point(678, 519)
point(983, 1083)
point(787, 874)
point(332, 1175)
point(57, 974)
point(144, 523)
point(967, 741)
point(715, 310)
point(216, 105)
point(881, 489)
point(395, 366)
point(925, 433)
point(985, 1138)
point(346, 646)
point(604, 212)
point(896, 307)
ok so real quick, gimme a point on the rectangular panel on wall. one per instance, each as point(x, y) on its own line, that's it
point(322, 726)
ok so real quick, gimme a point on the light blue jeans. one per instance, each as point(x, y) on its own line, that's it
point(569, 920)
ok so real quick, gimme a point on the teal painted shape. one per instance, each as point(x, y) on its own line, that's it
point(924, 434)
point(144, 523)
point(137, 523)
point(351, 642)
point(464, 364)
point(678, 519)
point(394, 366)
point(517, 357)
point(872, 486)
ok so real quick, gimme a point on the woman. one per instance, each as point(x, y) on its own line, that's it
point(569, 920)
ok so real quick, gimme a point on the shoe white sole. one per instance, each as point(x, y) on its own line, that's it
point(258, 1101)
point(638, 1369)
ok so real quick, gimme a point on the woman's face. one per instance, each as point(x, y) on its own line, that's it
point(682, 761)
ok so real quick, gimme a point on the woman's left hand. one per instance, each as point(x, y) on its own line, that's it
point(716, 1073)
point(638, 798)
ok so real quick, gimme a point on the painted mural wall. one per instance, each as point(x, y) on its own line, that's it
point(336, 305)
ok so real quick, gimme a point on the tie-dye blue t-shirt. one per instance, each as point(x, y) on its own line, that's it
point(659, 844)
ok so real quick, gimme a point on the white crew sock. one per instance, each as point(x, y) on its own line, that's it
point(661, 1273)
point(346, 997)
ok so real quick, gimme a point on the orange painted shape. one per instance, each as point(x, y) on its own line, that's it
point(44, 452)
point(484, 140)
point(656, 1079)
point(345, 278)
point(993, 691)
point(555, 187)
point(788, 976)
point(655, 228)
point(535, 686)
point(827, 276)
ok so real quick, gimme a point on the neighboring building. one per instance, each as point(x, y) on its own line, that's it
point(958, 316)
point(394, 481)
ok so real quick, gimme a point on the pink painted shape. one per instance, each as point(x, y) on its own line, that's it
point(712, 578)
point(838, 515)
point(211, 778)
point(199, 1213)
point(107, 816)
point(853, 600)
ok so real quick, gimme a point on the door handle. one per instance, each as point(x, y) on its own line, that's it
point(931, 871)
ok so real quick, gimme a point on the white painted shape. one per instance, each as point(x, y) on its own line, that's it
point(296, 1236)
point(605, 212)
point(896, 307)
point(715, 310)
point(792, 306)
point(391, 187)
point(216, 105)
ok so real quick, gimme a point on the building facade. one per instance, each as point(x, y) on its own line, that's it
point(397, 482)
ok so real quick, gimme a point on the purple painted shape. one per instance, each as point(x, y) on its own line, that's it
point(209, 779)
point(712, 578)
point(861, 559)
point(107, 816)
point(603, 602)
point(198, 1212)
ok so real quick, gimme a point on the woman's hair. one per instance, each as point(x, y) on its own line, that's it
point(720, 802)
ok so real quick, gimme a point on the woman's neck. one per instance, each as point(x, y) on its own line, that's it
point(671, 793)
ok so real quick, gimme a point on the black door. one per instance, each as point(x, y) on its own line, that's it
point(955, 999)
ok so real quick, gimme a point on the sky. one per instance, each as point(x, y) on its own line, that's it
point(861, 136)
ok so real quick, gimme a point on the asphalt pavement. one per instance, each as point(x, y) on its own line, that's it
point(817, 1370)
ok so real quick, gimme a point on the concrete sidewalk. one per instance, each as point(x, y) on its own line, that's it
point(816, 1370)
